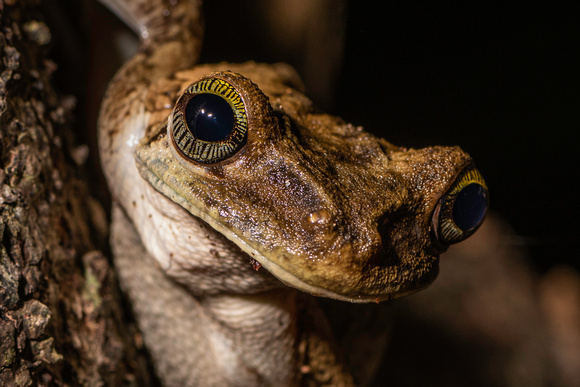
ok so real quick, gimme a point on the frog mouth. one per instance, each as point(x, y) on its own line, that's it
point(355, 285)
point(299, 283)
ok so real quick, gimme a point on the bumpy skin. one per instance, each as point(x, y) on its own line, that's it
point(288, 200)
point(322, 205)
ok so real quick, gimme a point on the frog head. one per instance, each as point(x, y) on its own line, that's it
point(321, 204)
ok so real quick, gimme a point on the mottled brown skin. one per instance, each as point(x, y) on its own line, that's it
point(321, 205)
point(288, 198)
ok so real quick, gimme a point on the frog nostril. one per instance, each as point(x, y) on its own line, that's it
point(462, 209)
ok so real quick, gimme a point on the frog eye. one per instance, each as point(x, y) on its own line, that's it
point(462, 209)
point(209, 122)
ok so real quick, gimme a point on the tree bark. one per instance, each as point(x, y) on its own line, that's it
point(61, 315)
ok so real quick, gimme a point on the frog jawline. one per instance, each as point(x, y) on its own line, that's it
point(279, 272)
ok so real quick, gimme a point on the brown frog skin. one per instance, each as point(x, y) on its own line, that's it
point(320, 205)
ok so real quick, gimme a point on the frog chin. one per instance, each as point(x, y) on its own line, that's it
point(387, 291)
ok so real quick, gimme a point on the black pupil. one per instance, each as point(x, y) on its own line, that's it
point(209, 117)
point(470, 206)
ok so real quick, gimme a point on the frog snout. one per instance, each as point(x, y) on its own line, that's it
point(462, 209)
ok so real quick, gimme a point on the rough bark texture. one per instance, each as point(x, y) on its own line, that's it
point(60, 310)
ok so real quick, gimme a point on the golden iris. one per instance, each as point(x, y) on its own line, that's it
point(209, 122)
point(462, 209)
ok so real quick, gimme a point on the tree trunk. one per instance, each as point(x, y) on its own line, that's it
point(61, 315)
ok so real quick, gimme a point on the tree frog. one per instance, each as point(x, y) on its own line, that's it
point(235, 199)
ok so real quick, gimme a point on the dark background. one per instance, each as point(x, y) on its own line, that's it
point(500, 80)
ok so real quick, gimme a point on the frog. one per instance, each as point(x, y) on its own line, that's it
point(237, 203)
